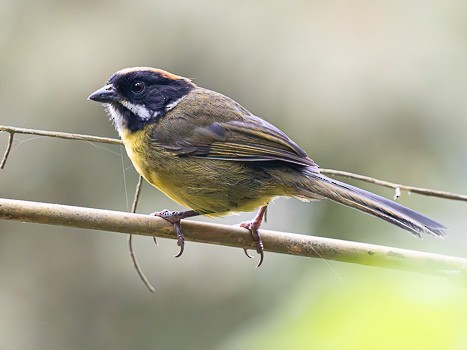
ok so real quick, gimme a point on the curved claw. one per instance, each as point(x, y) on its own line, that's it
point(155, 240)
point(182, 248)
point(261, 258)
point(246, 253)
point(180, 238)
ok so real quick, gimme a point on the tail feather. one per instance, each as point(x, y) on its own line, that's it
point(373, 204)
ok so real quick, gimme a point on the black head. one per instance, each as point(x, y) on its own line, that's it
point(138, 96)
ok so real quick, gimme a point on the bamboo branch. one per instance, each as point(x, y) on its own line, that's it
point(278, 242)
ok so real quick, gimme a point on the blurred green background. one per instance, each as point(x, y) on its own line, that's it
point(373, 87)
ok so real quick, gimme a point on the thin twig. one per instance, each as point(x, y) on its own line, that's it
point(137, 193)
point(80, 137)
point(136, 264)
point(61, 135)
point(279, 242)
point(419, 190)
point(140, 272)
point(8, 149)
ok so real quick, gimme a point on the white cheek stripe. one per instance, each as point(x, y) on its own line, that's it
point(173, 104)
point(140, 110)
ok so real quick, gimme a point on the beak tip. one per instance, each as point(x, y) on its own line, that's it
point(105, 94)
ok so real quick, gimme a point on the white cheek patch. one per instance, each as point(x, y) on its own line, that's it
point(173, 104)
point(140, 110)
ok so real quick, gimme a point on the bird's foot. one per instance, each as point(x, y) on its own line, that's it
point(175, 217)
point(253, 226)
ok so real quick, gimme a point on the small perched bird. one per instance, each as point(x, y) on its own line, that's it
point(208, 153)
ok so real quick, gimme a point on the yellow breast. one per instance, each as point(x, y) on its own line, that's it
point(153, 163)
point(137, 150)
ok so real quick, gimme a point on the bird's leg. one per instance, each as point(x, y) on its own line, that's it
point(253, 226)
point(175, 218)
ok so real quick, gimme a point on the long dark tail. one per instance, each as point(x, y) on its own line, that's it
point(370, 203)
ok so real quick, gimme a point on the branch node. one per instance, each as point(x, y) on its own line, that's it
point(397, 192)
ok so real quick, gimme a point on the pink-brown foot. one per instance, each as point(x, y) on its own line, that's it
point(175, 217)
point(253, 228)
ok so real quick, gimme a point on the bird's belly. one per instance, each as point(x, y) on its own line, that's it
point(211, 187)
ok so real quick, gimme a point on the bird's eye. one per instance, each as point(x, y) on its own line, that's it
point(137, 87)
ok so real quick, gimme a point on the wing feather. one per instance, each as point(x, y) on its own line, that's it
point(236, 135)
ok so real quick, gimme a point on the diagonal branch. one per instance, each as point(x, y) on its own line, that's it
point(278, 242)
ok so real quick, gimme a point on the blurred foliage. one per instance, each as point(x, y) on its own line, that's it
point(373, 87)
point(380, 310)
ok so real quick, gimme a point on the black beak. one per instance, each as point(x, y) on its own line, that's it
point(106, 94)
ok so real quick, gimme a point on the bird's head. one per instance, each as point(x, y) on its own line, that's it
point(137, 96)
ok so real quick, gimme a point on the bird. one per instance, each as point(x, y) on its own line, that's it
point(208, 153)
